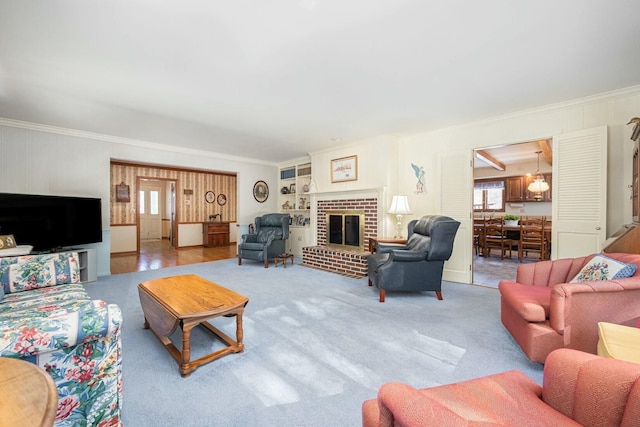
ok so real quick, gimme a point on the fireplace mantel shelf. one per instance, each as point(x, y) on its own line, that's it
point(379, 190)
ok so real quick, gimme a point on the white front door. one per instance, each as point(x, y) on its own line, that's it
point(579, 190)
point(149, 208)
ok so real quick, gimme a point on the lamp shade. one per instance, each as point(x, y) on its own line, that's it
point(400, 205)
point(539, 185)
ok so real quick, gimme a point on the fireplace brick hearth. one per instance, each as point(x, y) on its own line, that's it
point(346, 263)
point(342, 261)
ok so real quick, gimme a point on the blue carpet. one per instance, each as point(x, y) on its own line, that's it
point(317, 345)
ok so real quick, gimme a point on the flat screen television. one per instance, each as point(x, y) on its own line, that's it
point(51, 223)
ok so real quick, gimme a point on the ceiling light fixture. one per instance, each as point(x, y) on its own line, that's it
point(538, 186)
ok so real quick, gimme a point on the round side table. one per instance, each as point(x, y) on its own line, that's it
point(29, 396)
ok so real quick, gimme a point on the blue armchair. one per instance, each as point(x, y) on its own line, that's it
point(417, 265)
point(268, 241)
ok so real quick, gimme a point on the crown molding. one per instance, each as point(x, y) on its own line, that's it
point(126, 141)
point(585, 100)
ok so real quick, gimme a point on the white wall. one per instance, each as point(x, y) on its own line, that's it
point(377, 160)
point(612, 110)
point(39, 159)
point(63, 162)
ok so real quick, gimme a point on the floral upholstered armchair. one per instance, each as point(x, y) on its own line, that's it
point(47, 318)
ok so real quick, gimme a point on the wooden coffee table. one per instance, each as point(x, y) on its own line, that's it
point(188, 301)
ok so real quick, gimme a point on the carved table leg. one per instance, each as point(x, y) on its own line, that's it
point(239, 332)
point(185, 368)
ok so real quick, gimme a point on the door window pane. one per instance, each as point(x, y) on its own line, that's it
point(141, 202)
point(154, 202)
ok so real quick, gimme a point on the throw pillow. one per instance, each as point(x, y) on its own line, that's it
point(604, 268)
point(30, 275)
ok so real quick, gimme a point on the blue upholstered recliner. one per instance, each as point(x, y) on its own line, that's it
point(417, 265)
point(272, 231)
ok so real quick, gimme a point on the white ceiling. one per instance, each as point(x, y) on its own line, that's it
point(276, 79)
point(517, 153)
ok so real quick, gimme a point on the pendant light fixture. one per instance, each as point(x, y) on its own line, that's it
point(538, 185)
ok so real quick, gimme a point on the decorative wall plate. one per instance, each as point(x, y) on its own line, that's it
point(222, 199)
point(210, 196)
point(260, 191)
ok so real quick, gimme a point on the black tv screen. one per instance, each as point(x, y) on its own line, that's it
point(50, 223)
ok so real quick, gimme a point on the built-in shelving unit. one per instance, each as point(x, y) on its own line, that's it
point(294, 198)
point(88, 264)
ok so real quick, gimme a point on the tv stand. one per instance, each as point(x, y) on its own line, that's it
point(88, 260)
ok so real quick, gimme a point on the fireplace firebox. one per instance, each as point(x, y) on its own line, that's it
point(345, 229)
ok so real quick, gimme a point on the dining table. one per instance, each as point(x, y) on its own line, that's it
point(513, 232)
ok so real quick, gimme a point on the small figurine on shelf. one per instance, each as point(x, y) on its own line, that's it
point(286, 206)
point(303, 203)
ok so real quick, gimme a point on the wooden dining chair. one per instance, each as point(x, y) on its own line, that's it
point(495, 238)
point(547, 236)
point(532, 238)
point(478, 239)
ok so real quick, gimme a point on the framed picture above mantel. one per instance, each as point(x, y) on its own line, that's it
point(344, 169)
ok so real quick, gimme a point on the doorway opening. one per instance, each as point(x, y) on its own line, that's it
point(156, 210)
point(501, 176)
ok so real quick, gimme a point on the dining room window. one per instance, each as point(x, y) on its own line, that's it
point(488, 195)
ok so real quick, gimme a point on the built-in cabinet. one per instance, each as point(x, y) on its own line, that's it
point(294, 198)
point(215, 234)
point(516, 189)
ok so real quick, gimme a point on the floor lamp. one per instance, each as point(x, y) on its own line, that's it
point(399, 207)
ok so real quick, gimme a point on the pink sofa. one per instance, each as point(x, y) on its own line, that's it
point(543, 312)
point(578, 389)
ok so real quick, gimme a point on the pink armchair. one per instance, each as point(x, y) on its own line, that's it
point(579, 389)
point(543, 312)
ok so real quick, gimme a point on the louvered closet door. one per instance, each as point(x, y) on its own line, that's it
point(579, 193)
point(456, 182)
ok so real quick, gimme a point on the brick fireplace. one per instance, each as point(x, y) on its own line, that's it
point(343, 261)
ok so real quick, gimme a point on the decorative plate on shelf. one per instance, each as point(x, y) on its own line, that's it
point(210, 196)
point(222, 199)
point(260, 191)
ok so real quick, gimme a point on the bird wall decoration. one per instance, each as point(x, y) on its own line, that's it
point(419, 171)
point(635, 133)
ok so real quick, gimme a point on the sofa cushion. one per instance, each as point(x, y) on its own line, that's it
point(601, 267)
point(531, 302)
point(505, 399)
point(42, 299)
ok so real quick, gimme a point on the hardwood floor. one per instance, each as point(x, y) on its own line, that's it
point(159, 254)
